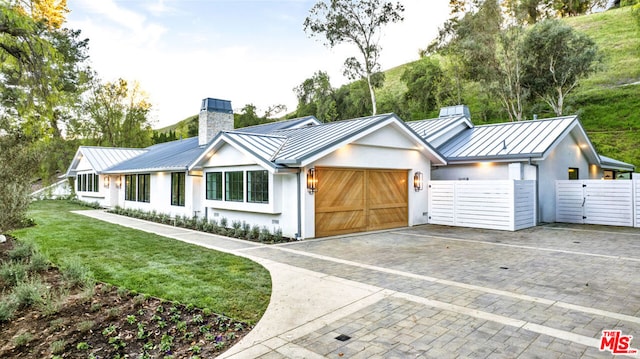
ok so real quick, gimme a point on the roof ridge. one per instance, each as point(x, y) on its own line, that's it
point(558, 118)
point(254, 134)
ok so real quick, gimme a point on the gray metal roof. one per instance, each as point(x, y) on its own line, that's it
point(610, 163)
point(433, 128)
point(279, 125)
point(262, 146)
point(525, 139)
point(305, 142)
point(102, 158)
point(174, 155)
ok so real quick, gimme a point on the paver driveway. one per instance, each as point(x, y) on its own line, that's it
point(440, 292)
point(545, 292)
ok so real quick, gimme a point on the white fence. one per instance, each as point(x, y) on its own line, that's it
point(615, 203)
point(505, 205)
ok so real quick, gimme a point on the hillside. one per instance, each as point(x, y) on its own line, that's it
point(608, 102)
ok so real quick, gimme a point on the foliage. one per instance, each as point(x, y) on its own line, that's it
point(555, 58)
point(19, 161)
point(357, 23)
point(118, 115)
point(316, 98)
point(427, 87)
point(151, 264)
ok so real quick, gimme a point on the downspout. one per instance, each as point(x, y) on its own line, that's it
point(537, 189)
point(299, 234)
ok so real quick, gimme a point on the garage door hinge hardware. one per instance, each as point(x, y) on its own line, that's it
point(584, 185)
point(584, 217)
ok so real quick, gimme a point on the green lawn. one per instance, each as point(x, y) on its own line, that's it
point(150, 264)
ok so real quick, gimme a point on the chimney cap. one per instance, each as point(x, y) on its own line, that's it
point(216, 105)
point(457, 110)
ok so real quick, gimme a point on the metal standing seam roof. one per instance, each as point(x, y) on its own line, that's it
point(305, 142)
point(506, 140)
point(102, 158)
point(432, 128)
point(610, 163)
point(261, 146)
point(174, 155)
point(278, 125)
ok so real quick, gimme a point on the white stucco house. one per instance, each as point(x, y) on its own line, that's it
point(306, 178)
point(543, 151)
point(313, 180)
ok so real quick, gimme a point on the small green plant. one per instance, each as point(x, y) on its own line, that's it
point(197, 319)
point(95, 307)
point(85, 326)
point(139, 300)
point(166, 342)
point(265, 235)
point(122, 292)
point(190, 307)
point(204, 329)
point(113, 313)
point(195, 349)
point(175, 318)
point(22, 339)
point(224, 222)
point(131, 319)
point(83, 346)
point(38, 262)
point(162, 324)
point(52, 302)
point(231, 336)
point(181, 326)
point(58, 346)
point(117, 343)
point(255, 232)
point(108, 331)
point(160, 309)
point(142, 333)
point(56, 324)
point(209, 337)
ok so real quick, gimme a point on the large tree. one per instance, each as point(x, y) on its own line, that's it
point(316, 97)
point(358, 23)
point(118, 115)
point(428, 87)
point(555, 58)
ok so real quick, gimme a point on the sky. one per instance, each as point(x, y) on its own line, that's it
point(245, 51)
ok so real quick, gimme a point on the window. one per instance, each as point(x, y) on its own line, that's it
point(90, 182)
point(130, 188)
point(79, 183)
point(144, 188)
point(258, 186)
point(96, 183)
point(177, 189)
point(234, 186)
point(573, 173)
point(84, 182)
point(214, 185)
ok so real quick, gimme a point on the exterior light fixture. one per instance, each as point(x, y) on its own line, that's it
point(418, 181)
point(107, 181)
point(119, 182)
point(312, 180)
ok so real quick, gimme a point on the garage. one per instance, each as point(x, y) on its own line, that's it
point(356, 200)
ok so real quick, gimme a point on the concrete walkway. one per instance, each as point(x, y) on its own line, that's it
point(438, 292)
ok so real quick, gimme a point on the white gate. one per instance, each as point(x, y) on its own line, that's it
point(595, 202)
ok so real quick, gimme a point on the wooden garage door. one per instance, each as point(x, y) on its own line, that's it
point(357, 200)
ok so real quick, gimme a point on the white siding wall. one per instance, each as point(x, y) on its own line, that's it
point(160, 199)
point(504, 205)
point(636, 197)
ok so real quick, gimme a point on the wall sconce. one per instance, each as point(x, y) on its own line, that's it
point(119, 182)
point(107, 181)
point(312, 180)
point(418, 181)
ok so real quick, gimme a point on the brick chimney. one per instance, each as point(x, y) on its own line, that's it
point(215, 116)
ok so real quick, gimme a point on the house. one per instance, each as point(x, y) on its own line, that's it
point(540, 150)
point(306, 178)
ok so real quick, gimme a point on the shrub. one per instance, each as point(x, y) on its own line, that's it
point(277, 235)
point(22, 339)
point(38, 262)
point(13, 272)
point(255, 232)
point(224, 222)
point(28, 293)
point(85, 326)
point(58, 346)
point(75, 273)
point(265, 235)
point(22, 251)
point(52, 303)
point(8, 307)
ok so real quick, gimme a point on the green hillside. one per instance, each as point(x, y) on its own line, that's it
point(608, 102)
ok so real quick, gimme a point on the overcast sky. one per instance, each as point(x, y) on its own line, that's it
point(182, 51)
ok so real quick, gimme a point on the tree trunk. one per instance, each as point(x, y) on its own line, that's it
point(373, 95)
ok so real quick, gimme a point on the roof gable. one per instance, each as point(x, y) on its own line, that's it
point(437, 131)
point(101, 158)
point(168, 156)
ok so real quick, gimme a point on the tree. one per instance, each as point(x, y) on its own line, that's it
point(119, 115)
point(509, 86)
point(316, 98)
point(428, 87)
point(555, 58)
point(355, 22)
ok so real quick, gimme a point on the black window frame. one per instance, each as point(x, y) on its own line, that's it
point(96, 183)
point(144, 187)
point(84, 182)
point(79, 183)
point(234, 186)
point(130, 188)
point(178, 189)
point(573, 173)
point(213, 186)
point(258, 186)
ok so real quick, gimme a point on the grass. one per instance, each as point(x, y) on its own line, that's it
point(150, 264)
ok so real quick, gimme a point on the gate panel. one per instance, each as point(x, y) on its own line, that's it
point(595, 202)
point(569, 202)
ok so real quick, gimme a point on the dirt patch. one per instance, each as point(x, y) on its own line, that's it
point(109, 322)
